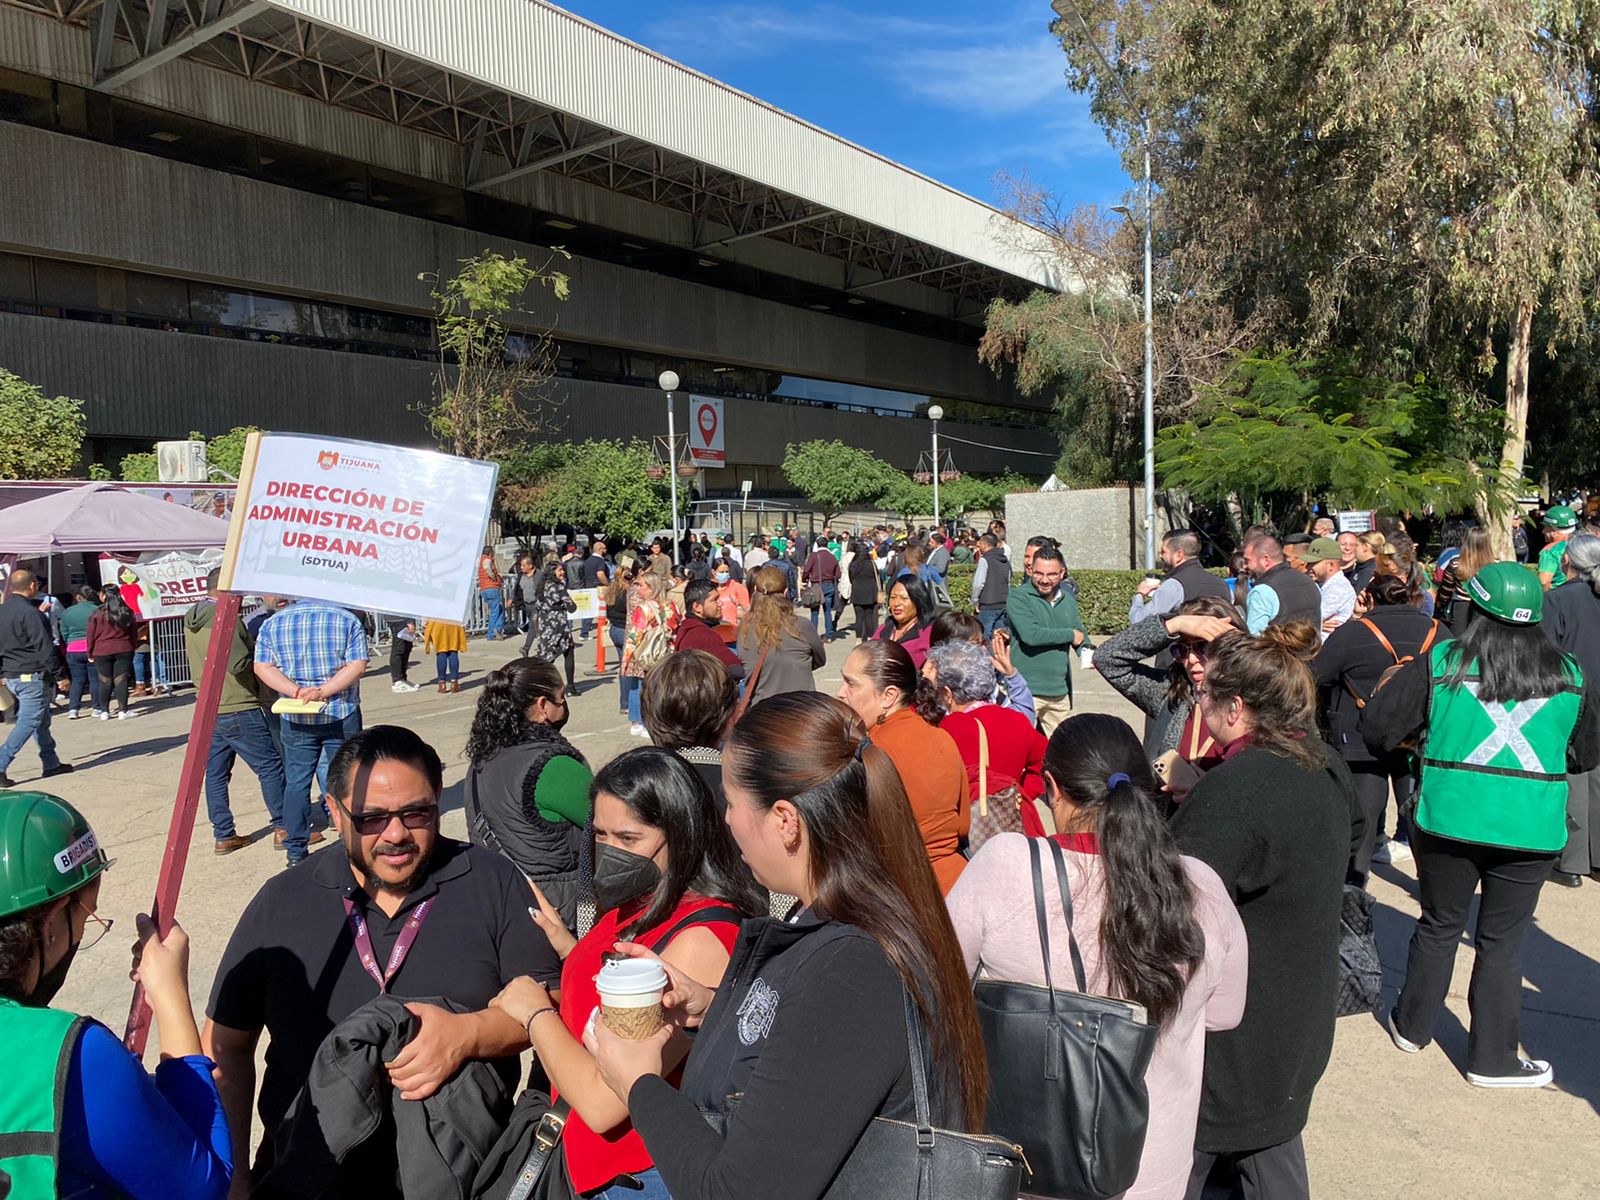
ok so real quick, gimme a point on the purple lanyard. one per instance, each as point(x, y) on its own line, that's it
point(402, 944)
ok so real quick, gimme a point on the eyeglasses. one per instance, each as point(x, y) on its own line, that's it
point(1182, 650)
point(102, 926)
point(368, 823)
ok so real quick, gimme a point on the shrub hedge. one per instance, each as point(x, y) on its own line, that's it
point(1103, 596)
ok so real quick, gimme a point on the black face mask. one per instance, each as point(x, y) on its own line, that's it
point(620, 876)
point(49, 982)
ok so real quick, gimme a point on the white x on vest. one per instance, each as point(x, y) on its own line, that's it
point(1507, 732)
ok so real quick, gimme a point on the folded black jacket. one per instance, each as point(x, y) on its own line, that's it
point(438, 1143)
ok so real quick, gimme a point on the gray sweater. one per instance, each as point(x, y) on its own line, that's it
point(789, 665)
point(1121, 663)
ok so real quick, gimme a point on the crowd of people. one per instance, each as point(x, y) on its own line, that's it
point(823, 878)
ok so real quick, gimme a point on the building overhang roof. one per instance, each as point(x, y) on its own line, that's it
point(523, 86)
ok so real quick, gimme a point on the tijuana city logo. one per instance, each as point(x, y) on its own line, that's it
point(329, 459)
point(77, 854)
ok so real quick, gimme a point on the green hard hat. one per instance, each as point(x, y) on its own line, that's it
point(1509, 592)
point(1560, 516)
point(46, 850)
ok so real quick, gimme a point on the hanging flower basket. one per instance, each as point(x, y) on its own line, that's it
point(923, 476)
point(949, 476)
point(687, 471)
point(655, 472)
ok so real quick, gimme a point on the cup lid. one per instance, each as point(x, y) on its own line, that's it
point(631, 977)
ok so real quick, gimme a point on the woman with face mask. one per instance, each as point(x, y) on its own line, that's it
point(733, 598)
point(667, 876)
point(91, 1122)
point(527, 792)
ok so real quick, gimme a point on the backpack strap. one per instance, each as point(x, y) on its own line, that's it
point(700, 916)
point(1385, 642)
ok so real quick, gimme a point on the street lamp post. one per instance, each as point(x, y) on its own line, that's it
point(1064, 8)
point(669, 384)
point(935, 414)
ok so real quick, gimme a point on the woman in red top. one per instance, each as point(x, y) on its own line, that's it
point(1000, 746)
point(666, 875)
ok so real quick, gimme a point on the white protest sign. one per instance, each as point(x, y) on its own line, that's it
point(359, 523)
point(588, 602)
point(1358, 521)
point(160, 584)
point(706, 446)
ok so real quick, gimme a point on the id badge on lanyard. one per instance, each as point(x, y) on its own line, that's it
point(402, 944)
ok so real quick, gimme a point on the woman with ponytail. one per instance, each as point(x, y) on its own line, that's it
point(1155, 927)
point(901, 710)
point(805, 1040)
point(1278, 820)
point(527, 788)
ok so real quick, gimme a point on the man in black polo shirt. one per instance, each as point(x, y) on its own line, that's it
point(392, 907)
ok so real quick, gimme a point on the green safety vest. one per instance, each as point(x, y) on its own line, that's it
point(38, 1048)
point(1496, 774)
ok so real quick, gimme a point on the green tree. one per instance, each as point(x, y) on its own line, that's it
point(601, 484)
point(1275, 435)
point(139, 467)
point(496, 360)
point(834, 476)
point(41, 437)
point(1400, 181)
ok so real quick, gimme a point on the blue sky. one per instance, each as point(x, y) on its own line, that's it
point(956, 90)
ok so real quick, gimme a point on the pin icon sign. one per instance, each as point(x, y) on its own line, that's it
point(708, 422)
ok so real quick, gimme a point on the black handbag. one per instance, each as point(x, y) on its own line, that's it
point(526, 1163)
point(904, 1160)
point(1066, 1070)
point(1360, 968)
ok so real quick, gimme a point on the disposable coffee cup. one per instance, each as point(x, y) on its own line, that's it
point(630, 996)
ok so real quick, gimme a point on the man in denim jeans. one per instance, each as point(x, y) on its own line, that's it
point(30, 664)
point(241, 730)
point(312, 651)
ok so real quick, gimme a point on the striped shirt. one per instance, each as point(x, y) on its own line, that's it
point(309, 642)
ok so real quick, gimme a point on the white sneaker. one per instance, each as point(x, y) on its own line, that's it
point(74, 715)
point(1394, 1033)
point(124, 714)
point(638, 731)
point(1399, 852)
point(1533, 1073)
point(401, 685)
point(103, 715)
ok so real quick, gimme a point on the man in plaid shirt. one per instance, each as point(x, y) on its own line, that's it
point(311, 650)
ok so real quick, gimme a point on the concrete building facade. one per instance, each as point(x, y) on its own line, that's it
point(194, 236)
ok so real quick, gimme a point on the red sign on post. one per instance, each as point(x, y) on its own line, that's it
point(706, 442)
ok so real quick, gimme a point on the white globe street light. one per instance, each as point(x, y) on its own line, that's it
point(669, 384)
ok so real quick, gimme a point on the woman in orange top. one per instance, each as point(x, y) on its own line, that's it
point(882, 685)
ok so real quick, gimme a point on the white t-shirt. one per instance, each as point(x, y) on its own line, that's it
point(755, 557)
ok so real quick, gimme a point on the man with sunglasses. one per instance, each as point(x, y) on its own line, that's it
point(395, 908)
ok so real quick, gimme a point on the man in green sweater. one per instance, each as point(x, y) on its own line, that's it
point(1045, 628)
point(241, 730)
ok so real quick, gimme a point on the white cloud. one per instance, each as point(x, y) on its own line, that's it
point(990, 79)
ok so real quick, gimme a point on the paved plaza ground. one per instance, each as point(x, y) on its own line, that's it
point(1384, 1124)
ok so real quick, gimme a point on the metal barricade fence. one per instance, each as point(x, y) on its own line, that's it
point(166, 634)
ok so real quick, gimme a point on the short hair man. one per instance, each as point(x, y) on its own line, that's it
point(31, 665)
point(1183, 579)
point(241, 730)
point(698, 629)
point(1280, 593)
point(312, 651)
point(1323, 527)
point(359, 920)
point(991, 583)
point(1045, 629)
point(1323, 560)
